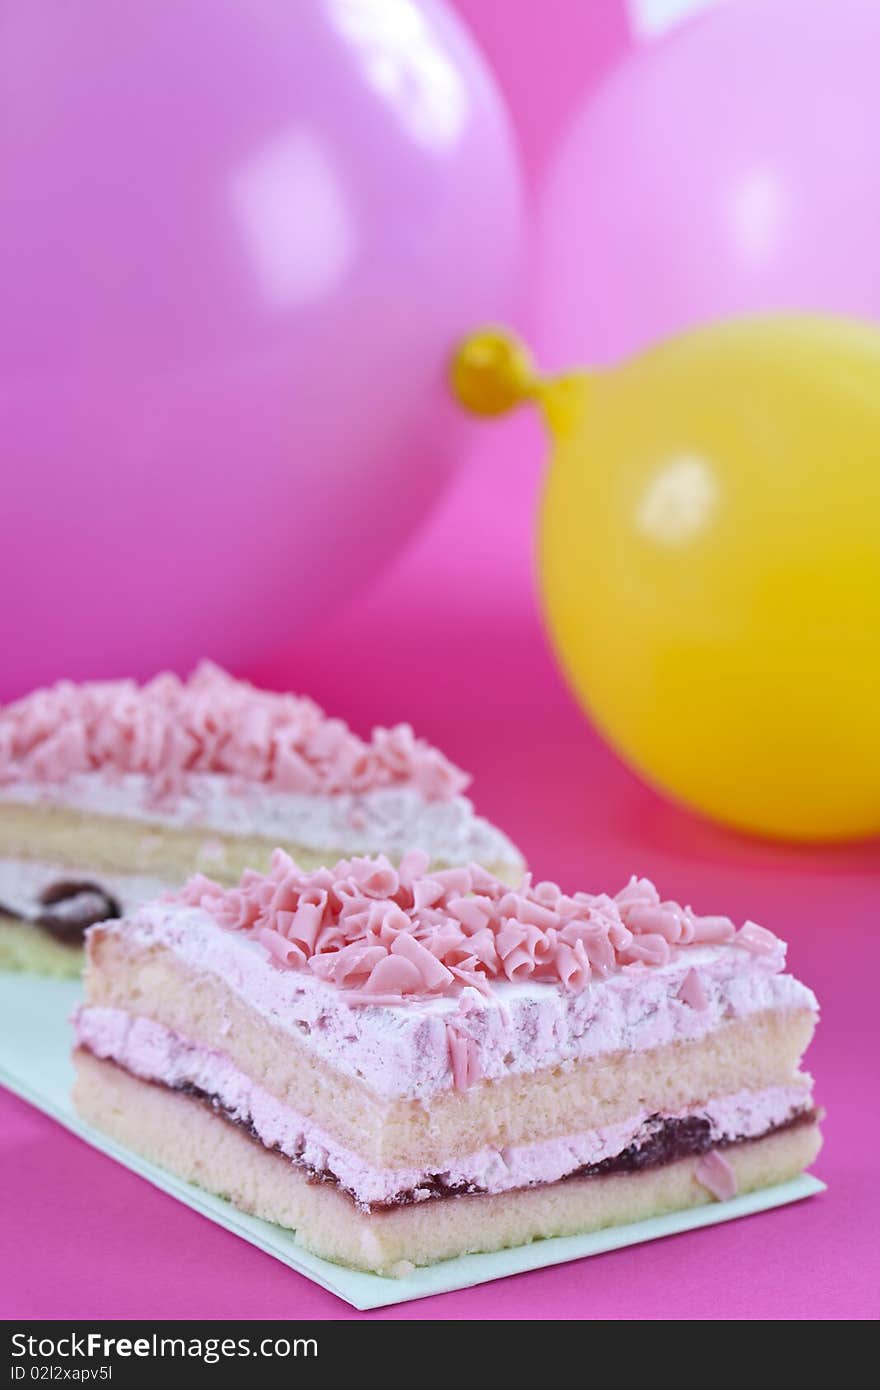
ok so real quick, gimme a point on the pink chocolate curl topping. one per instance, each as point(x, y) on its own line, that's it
point(388, 935)
point(715, 1174)
point(170, 729)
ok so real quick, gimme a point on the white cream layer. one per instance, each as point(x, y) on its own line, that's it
point(403, 1051)
point(391, 820)
point(22, 881)
point(155, 1053)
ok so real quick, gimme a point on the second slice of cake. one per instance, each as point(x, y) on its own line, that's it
point(111, 792)
point(404, 1065)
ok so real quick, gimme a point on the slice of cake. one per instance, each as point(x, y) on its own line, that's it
point(403, 1065)
point(111, 792)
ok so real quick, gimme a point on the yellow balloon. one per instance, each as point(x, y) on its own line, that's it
point(710, 561)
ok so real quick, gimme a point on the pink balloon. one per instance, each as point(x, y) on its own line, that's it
point(729, 168)
point(238, 244)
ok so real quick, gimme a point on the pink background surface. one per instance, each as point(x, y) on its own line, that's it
point(451, 639)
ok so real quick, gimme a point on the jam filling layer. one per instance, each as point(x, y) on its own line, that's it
point(66, 908)
point(667, 1139)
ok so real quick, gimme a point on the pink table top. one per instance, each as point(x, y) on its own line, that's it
point(471, 670)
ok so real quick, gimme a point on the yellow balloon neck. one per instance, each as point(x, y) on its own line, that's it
point(562, 401)
point(492, 373)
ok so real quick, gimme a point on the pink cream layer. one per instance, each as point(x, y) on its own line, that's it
point(150, 1051)
point(425, 1045)
point(389, 818)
